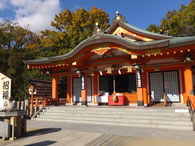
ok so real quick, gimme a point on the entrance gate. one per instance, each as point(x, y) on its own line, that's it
point(164, 82)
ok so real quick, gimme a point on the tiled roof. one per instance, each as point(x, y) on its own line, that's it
point(162, 42)
point(136, 30)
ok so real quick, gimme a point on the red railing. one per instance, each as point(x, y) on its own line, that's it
point(191, 100)
point(46, 101)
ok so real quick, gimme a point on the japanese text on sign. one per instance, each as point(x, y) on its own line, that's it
point(5, 86)
point(139, 81)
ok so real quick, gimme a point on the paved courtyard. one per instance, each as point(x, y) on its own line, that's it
point(42, 133)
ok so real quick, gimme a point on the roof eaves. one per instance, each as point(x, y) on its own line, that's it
point(44, 60)
point(182, 41)
point(102, 38)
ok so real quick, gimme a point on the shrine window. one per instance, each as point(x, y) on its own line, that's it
point(123, 83)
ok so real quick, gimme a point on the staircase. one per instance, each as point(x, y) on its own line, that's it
point(165, 118)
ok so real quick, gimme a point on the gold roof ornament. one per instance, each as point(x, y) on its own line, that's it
point(98, 29)
point(101, 51)
point(119, 17)
point(129, 68)
point(133, 56)
point(108, 70)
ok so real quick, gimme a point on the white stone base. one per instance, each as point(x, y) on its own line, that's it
point(69, 104)
point(92, 104)
point(133, 104)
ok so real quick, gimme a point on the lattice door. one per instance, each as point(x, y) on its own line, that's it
point(156, 87)
point(89, 86)
point(77, 89)
point(171, 85)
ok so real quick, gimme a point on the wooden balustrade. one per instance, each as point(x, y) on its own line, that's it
point(46, 101)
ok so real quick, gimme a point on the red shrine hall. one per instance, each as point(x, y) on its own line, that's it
point(125, 65)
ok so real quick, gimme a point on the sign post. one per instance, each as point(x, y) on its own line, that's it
point(32, 91)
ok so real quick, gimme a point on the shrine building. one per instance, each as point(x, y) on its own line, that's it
point(125, 61)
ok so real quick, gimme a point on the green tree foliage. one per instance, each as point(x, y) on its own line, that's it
point(17, 44)
point(71, 28)
point(178, 23)
point(153, 28)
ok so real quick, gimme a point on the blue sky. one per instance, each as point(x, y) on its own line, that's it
point(37, 14)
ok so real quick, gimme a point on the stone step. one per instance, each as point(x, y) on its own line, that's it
point(120, 113)
point(111, 119)
point(122, 116)
point(143, 125)
point(134, 117)
point(67, 108)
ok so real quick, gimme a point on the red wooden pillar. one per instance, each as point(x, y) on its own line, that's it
point(84, 89)
point(69, 86)
point(55, 87)
point(188, 82)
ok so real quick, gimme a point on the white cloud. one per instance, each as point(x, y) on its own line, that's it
point(3, 4)
point(35, 14)
point(1, 20)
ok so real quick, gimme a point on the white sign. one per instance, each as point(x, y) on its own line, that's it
point(5, 89)
point(5, 86)
point(83, 81)
point(139, 80)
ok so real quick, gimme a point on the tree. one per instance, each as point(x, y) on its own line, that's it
point(71, 28)
point(179, 23)
point(153, 28)
point(17, 44)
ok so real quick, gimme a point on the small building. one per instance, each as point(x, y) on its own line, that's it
point(142, 66)
point(43, 88)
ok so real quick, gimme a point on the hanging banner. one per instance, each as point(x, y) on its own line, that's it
point(83, 81)
point(139, 79)
point(5, 87)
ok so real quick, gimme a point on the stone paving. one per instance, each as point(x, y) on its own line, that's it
point(135, 141)
point(58, 133)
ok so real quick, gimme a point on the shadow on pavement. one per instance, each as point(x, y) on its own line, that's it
point(42, 131)
point(47, 142)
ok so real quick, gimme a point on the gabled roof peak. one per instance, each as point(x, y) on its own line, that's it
point(119, 17)
point(136, 30)
point(98, 29)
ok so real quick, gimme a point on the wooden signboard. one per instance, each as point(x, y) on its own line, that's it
point(5, 87)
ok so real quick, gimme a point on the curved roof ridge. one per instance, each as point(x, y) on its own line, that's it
point(100, 35)
point(110, 38)
point(145, 31)
point(137, 30)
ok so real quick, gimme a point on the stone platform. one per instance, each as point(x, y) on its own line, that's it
point(12, 124)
